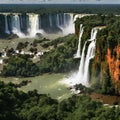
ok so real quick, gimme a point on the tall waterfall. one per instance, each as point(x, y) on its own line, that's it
point(83, 73)
point(6, 25)
point(82, 62)
point(77, 55)
point(89, 56)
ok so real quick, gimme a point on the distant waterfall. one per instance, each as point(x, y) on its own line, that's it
point(16, 29)
point(77, 55)
point(6, 25)
point(57, 20)
point(29, 24)
point(40, 26)
point(33, 25)
point(50, 20)
point(64, 19)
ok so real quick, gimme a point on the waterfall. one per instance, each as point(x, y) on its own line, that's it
point(77, 55)
point(6, 25)
point(29, 24)
point(50, 20)
point(93, 34)
point(69, 28)
point(33, 25)
point(57, 20)
point(83, 73)
point(89, 56)
point(16, 26)
point(40, 26)
point(82, 61)
point(64, 19)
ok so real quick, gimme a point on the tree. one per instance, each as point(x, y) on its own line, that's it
point(107, 86)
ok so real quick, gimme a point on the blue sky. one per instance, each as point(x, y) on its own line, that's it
point(62, 1)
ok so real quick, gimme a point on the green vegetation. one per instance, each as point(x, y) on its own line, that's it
point(20, 66)
point(64, 8)
point(61, 58)
point(18, 105)
point(107, 85)
point(21, 45)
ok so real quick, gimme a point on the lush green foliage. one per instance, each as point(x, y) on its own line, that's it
point(22, 45)
point(20, 66)
point(61, 58)
point(57, 8)
point(18, 105)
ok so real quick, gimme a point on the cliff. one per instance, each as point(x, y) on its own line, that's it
point(114, 66)
point(105, 67)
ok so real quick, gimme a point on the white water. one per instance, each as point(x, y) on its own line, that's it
point(84, 66)
point(31, 24)
point(78, 55)
point(50, 21)
point(16, 26)
point(6, 25)
point(82, 76)
point(89, 56)
point(57, 20)
point(93, 34)
point(82, 61)
point(69, 26)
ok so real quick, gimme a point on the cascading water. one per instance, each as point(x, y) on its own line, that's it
point(50, 21)
point(83, 73)
point(57, 20)
point(82, 61)
point(33, 25)
point(77, 55)
point(6, 25)
point(89, 56)
point(27, 25)
point(70, 26)
point(93, 34)
point(16, 26)
point(82, 76)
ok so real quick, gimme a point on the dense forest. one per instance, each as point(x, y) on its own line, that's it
point(18, 105)
point(59, 59)
point(64, 8)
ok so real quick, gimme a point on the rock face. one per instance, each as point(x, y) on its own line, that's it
point(114, 65)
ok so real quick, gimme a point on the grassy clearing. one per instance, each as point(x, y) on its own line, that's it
point(45, 84)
